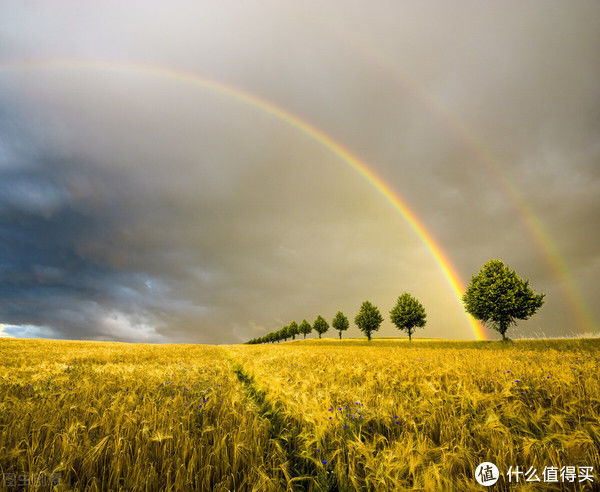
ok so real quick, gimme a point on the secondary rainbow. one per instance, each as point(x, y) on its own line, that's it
point(527, 215)
point(462, 131)
point(441, 259)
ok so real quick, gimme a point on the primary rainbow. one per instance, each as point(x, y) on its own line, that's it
point(527, 215)
point(441, 259)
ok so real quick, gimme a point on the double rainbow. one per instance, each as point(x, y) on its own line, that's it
point(464, 133)
point(316, 134)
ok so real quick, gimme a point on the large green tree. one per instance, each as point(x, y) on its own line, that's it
point(368, 319)
point(408, 314)
point(320, 325)
point(498, 297)
point(340, 323)
point(305, 328)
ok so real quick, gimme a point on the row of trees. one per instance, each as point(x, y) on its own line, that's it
point(497, 296)
point(407, 315)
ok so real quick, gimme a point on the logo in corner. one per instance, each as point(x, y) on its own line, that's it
point(487, 474)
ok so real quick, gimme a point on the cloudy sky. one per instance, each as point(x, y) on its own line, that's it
point(139, 206)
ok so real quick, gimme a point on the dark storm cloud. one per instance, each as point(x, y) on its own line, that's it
point(136, 207)
point(62, 222)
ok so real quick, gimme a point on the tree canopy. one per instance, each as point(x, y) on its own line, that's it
point(293, 330)
point(498, 297)
point(284, 333)
point(305, 328)
point(340, 323)
point(320, 325)
point(368, 319)
point(408, 314)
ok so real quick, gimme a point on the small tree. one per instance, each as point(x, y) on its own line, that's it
point(340, 323)
point(293, 330)
point(320, 325)
point(368, 319)
point(407, 314)
point(285, 333)
point(305, 328)
point(498, 297)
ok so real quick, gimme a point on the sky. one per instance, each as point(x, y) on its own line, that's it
point(150, 192)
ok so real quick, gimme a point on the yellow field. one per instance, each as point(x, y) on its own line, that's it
point(319, 415)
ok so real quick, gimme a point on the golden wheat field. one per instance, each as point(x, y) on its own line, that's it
point(304, 415)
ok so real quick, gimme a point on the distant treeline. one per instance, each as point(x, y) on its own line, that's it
point(496, 296)
point(407, 314)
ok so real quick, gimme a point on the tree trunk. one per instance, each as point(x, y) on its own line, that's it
point(304, 336)
point(340, 335)
point(503, 328)
point(369, 336)
point(319, 334)
point(409, 336)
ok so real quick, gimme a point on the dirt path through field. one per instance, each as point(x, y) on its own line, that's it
point(301, 470)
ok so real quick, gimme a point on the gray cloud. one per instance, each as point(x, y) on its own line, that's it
point(136, 207)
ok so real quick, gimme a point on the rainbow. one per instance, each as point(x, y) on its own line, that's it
point(527, 215)
point(345, 155)
point(462, 132)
